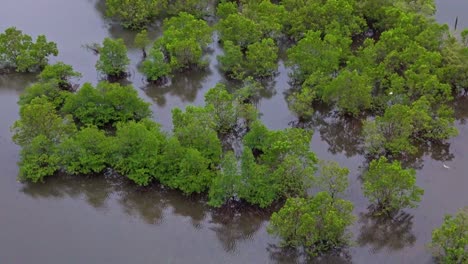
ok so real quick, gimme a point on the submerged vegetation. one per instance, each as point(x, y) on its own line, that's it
point(385, 63)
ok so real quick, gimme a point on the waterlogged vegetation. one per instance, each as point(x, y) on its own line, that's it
point(385, 64)
point(20, 53)
point(450, 239)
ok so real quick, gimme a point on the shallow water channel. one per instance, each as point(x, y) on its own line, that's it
point(105, 220)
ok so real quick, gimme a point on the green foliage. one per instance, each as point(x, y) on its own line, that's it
point(39, 117)
point(85, 152)
point(391, 131)
point(269, 17)
point(189, 161)
point(142, 40)
point(106, 105)
point(197, 8)
point(224, 9)
point(183, 41)
point(381, 14)
point(401, 125)
point(390, 187)
point(137, 150)
point(455, 70)
point(248, 37)
point(317, 224)
point(60, 73)
point(258, 137)
point(38, 159)
point(294, 175)
point(184, 168)
point(332, 178)
point(450, 240)
point(232, 62)
point(261, 58)
point(300, 102)
point(284, 160)
point(194, 174)
point(135, 14)
point(240, 30)
point(290, 141)
point(38, 131)
point(196, 129)
point(155, 66)
point(259, 61)
point(113, 59)
point(12, 44)
point(225, 110)
point(227, 183)
point(259, 186)
point(351, 91)
point(18, 51)
point(464, 36)
point(48, 90)
point(323, 15)
point(314, 55)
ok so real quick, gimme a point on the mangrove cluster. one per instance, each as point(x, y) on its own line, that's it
point(386, 63)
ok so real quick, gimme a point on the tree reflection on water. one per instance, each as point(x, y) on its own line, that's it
point(381, 232)
point(236, 223)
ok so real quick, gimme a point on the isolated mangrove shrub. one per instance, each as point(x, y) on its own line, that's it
point(450, 240)
point(317, 224)
point(19, 52)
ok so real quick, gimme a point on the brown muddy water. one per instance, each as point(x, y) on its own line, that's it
point(105, 220)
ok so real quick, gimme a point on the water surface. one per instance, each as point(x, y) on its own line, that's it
point(107, 220)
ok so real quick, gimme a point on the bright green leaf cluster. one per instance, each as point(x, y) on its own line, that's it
point(113, 59)
point(105, 105)
point(249, 38)
point(450, 240)
point(181, 47)
point(317, 224)
point(60, 72)
point(402, 126)
point(390, 187)
point(19, 52)
point(135, 14)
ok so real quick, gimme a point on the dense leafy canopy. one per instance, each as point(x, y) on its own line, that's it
point(137, 149)
point(39, 159)
point(385, 61)
point(322, 15)
point(390, 187)
point(50, 91)
point(180, 48)
point(60, 73)
point(260, 60)
point(142, 40)
point(450, 240)
point(39, 131)
point(239, 30)
point(249, 38)
point(332, 178)
point(155, 66)
point(85, 152)
point(135, 14)
point(227, 184)
point(402, 126)
point(39, 117)
point(105, 105)
point(184, 39)
point(317, 224)
point(19, 52)
point(113, 59)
